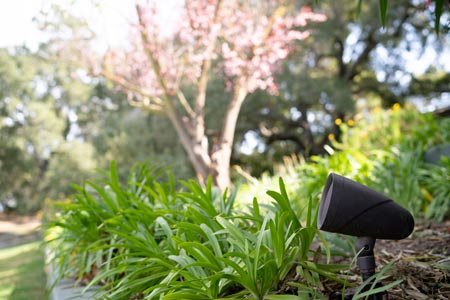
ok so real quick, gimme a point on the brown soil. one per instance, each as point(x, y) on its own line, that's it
point(422, 261)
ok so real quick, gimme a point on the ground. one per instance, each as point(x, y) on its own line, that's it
point(22, 274)
point(422, 261)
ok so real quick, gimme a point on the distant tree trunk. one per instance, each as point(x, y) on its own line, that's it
point(220, 158)
point(214, 162)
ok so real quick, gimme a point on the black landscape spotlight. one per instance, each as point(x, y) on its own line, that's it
point(351, 208)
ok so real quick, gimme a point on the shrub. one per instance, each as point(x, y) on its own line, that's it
point(436, 189)
point(384, 151)
point(145, 239)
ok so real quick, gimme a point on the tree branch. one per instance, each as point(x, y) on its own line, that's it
point(145, 104)
point(371, 43)
point(157, 104)
point(182, 126)
point(153, 60)
point(185, 104)
point(286, 136)
point(200, 100)
point(340, 56)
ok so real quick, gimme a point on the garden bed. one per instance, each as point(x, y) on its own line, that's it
point(422, 261)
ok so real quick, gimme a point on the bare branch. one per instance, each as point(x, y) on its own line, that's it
point(146, 105)
point(152, 101)
point(185, 104)
point(183, 128)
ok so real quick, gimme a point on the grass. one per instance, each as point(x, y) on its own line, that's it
point(22, 274)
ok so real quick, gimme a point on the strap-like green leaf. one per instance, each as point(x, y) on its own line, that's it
point(437, 13)
point(383, 12)
point(358, 7)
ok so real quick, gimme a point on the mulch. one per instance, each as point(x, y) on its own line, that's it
point(422, 262)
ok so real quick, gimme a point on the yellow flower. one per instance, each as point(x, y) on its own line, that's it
point(331, 137)
point(338, 121)
point(396, 106)
point(427, 195)
point(350, 122)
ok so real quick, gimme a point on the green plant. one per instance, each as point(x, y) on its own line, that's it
point(436, 181)
point(147, 240)
point(78, 230)
point(404, 128)
point(397, 174)
point(371, 285)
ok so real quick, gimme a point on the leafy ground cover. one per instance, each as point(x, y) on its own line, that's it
point(151, 238)
point(22, 274)
point(421, 261)
point(145, 239)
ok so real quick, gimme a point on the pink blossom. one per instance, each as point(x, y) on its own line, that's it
point(244, 43)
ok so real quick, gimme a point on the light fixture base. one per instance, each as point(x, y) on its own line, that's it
point(366, 263)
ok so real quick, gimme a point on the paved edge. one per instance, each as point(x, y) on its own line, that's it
point(66, 289)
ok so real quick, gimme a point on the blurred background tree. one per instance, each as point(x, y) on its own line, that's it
point(348, 66)
point(58, 123)
point(169, 72)
point(56, 130)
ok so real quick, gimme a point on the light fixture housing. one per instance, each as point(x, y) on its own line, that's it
point(351, 208)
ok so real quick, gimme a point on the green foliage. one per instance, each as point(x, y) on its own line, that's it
point(438, 9)
point(55, 131)
point(437, 190)
point(383, 11)
point(384, 150)
point(36, 152)
point(338, 71)
point(392, 144)
point(130, 135)
point(145, 239)
point(369, 287)
point(397, 174)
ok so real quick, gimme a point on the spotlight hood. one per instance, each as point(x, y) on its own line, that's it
point(351, 208)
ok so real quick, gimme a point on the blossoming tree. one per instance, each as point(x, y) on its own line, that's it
point(240, 41)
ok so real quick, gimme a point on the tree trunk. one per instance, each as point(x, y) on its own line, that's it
point(196, 149)
point(220, 159)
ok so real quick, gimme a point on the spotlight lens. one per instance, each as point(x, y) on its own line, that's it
point(325, 202)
